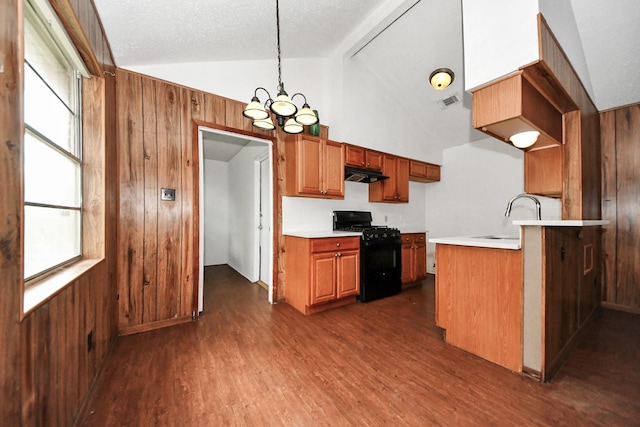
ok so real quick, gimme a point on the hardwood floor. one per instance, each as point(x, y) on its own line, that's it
point(248, 363)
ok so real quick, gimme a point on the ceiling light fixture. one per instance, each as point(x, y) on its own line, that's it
point(441, 78)
point(525, 139)
point(289, 118)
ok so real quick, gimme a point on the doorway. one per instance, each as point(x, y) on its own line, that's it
point(235, 206)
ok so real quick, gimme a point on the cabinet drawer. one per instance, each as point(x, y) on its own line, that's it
point(335, 244)
point(414, 237)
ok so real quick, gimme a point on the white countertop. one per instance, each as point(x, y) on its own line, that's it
point(318, 234)
point(505, 242)
point(562, 222)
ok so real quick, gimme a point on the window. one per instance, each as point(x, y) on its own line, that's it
point(52, 145)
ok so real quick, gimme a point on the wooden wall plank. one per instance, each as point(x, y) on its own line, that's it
point(233, 116)
point(628, 206)
point(11, 106)
point(131, 207)
point(151, 191)
point(609, 204)
point(93, 174)
point(189, 199)
point(214, 109)
point(169, 212)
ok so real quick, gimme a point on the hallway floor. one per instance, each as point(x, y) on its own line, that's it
point(248, 363)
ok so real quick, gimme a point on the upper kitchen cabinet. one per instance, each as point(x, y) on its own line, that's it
point(360, 157)
point(396, 188)
point(314, 167)
point(512, 105)
point(423, 172)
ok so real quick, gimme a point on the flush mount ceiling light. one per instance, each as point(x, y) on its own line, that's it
point(441, 78)
point(525, 139)
point(289, 118)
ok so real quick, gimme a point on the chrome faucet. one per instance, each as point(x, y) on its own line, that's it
point(528, 196)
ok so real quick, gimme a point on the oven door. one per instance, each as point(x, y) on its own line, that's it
point(380, 274)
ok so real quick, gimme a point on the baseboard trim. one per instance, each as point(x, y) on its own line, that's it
point(130, 330)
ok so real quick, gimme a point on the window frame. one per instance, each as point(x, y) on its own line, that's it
point(74, 106)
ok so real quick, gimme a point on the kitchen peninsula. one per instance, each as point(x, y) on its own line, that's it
point(519, 302)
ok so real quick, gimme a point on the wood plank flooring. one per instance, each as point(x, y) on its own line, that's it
point(248, 363)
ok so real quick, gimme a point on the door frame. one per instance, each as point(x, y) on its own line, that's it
point(257, 165)
point(198, 176)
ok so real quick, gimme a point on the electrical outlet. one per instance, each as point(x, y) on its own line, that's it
point(168, 194)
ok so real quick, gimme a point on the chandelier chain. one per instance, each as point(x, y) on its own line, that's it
point(278, 33)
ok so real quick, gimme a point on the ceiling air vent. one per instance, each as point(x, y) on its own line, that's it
point(450, 100)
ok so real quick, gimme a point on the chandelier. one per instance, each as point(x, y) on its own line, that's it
point(289, 118)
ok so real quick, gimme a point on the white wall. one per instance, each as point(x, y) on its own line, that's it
point(243, 229)
point(500, 36)
point(477, 182)
point(216, 212)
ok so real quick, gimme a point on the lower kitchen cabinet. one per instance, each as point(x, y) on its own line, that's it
point(414, 258)
point(321, 273)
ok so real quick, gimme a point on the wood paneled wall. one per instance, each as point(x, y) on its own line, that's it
point(621, 206)
point(582, 157)
point(157, 240)
point(46, 368)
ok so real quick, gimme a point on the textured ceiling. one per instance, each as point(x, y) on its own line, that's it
point(173, 31)
point(169, 31)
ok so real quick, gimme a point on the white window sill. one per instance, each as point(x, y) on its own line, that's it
point(45, 288)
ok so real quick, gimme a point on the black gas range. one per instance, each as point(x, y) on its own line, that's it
point(380, 254)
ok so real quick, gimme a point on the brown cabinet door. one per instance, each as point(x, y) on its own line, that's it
point(402, 180)
point(348, 273)
point(433, 172)
point(389, 186)
point(355, 156)
point(323, 274)
point(333, 169)
point(310, 154)
point(407, 260)
point(374, 160)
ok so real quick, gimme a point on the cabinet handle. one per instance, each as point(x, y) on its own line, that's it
point(338, 244)
point(363, 163)
point(338, 255)
point(562, 251)
point(368, 164)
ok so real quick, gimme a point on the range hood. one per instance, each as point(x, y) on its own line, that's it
point(362, 175)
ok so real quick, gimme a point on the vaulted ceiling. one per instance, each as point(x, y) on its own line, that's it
point(145, 32)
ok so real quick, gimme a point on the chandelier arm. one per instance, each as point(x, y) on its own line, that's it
point(255, 93)
point(301, 94)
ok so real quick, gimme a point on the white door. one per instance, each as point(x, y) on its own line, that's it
point(265, 222)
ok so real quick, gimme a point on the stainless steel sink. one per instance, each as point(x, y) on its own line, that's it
point(497, 237)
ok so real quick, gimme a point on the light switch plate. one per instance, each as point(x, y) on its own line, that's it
point(168, 194)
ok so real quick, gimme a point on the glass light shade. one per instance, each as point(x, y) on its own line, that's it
point(255, 110)
point(291, 126)
point(441, 78)
point(306, 116)
point(283, 106)
point(264, 124)
point(525, 139)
